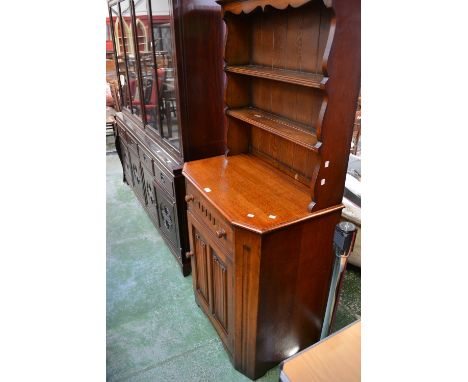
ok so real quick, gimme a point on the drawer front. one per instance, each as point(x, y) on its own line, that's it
point(167, 216)
point(206, 213)
point(164, 180)
point(146, 159)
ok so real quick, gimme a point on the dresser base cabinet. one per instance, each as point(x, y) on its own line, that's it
point(263, 287)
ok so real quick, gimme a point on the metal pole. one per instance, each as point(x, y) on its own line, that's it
point(343, 243)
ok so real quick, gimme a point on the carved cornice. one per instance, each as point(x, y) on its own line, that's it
point(237, 7)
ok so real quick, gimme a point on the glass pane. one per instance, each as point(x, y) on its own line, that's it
point(131, 61)
point(120, 55)
point(163, 41)
point(148, 74)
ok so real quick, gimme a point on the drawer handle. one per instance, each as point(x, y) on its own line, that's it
point(220, 233)
point(189, 198)
point(189, 254)
point(161, 176)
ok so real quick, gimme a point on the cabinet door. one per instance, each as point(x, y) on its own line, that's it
point(213, 280)
point(167, 216)
point(127, 166)
point(137, 172)
point(165, 59)
point(150, 192)
point(131, 56)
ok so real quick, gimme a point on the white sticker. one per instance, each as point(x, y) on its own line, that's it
point(250, 215)
point(322, 182)
point(207, 189)
point(272, 216)
point(327, 163)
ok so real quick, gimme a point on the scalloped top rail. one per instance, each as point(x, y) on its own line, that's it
point(238, 6)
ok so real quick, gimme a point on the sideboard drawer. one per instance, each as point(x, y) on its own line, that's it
point(204, 211)
point(146, 159)
point(164, 180)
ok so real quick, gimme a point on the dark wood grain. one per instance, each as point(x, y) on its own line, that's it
point(266, 211)
point(154, 165)
point(242, 184)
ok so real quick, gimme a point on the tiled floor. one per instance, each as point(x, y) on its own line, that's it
point(155, 331)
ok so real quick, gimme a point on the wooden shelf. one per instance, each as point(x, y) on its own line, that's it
point(311, 80)
point(285, 128)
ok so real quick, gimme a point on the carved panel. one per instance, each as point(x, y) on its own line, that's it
point(127, 167)
point(137, 173)
point(151, 198)
point(219, 285)
point(167, 215)
point(201, 267)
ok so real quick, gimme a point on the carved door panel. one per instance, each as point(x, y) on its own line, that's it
point(127, 167)
point(219, 289)
point(167, 215)
point(200, 259)
point(137, 172)
point(213, 281)
point(150, 194)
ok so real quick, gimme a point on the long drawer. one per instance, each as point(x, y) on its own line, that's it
point(207, 213)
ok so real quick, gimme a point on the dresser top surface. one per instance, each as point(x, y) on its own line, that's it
point(249, 192)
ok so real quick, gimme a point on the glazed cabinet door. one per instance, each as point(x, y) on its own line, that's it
point(212, 272)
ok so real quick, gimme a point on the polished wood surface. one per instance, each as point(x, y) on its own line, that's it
point(199, 34)
point(294, 73)
point(262, 217)
point(312, 80)
point(250, 193)
point(282, 127)
point(265, 293)
point(336, 358)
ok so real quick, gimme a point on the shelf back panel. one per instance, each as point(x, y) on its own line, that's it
point(294, 102)
point(294, 160)
point(293, 39)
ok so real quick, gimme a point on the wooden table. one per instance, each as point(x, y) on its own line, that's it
point(336, 358)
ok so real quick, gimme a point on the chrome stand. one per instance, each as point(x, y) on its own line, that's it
point(343, 243)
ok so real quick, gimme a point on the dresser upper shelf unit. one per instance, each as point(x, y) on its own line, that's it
point(311, 80)
point(292, 131)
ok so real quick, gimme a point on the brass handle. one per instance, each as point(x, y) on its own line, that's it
point(189, 254)
point(220, 233)
point(189, 198)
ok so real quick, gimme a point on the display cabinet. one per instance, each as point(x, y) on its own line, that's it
point(261, 218)
point(169, 67)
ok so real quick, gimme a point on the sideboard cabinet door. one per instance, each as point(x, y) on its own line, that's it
point(137, 172)
point(127, 166)
point(213, 281)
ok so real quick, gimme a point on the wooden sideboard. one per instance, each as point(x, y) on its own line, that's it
point(169, 67)
point(261, 218)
